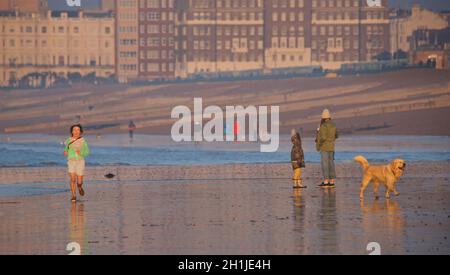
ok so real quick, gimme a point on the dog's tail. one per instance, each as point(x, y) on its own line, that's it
point(363, 161)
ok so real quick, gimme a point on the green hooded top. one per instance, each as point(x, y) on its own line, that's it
point(80, 145)
point(326, 137)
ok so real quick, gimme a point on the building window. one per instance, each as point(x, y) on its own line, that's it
point(338, 43)
point(301, 42)
point(153, 67)
point(292, 17)
point(301, 16)
point(330, 43)
point(153, 16)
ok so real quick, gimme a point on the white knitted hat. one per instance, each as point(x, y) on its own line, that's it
point(326, 114)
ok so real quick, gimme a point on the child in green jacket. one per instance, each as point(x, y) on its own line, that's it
point(76, 149)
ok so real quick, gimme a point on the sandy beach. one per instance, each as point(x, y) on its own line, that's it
point(202, 198)
point(221, 209)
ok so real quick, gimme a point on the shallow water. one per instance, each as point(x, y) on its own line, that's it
point(29, 150)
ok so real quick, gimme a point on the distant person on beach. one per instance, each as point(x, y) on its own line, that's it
point(131, 129)
point(236, 130)
point(326, 136)
point(297, 159)
point(76, 149)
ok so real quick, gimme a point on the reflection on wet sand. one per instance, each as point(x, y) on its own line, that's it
point(298, 201)
point(231, 216)
point(384, 220)
point(389, 210)
point(299, 218)
point(77, 231)
point(327, 223)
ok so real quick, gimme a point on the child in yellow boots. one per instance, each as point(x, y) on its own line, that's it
point(297, 159)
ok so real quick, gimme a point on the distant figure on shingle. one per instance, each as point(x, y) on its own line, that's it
point(131, 129)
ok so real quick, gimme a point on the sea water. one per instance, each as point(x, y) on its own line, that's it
point(36, 150)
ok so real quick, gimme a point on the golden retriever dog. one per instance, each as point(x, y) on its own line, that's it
point(387, 174)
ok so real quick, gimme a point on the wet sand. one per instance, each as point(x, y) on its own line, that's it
point(226, 209)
